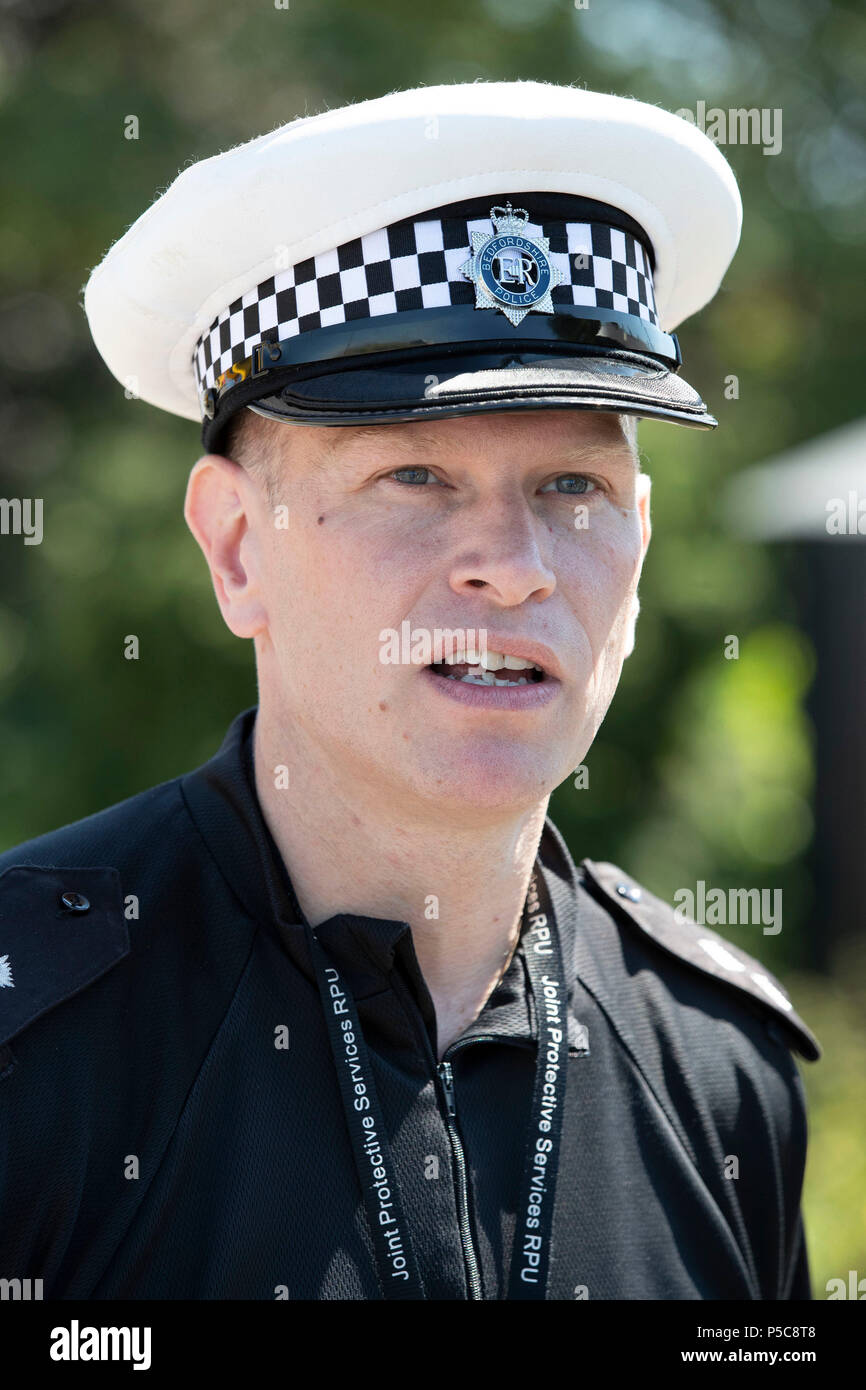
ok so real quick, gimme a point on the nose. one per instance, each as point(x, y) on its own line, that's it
point(501, 549)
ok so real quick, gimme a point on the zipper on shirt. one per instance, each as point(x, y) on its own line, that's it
point(446, 1076)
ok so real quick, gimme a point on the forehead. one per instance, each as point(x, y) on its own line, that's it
point(542, 431)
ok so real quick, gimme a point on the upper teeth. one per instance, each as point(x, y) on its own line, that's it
point(494, 661)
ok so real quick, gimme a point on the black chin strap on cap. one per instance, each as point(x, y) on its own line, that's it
point(399, 1273)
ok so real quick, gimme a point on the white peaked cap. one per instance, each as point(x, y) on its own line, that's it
point(322, 181)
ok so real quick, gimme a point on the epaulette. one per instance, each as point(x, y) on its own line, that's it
point(60, 929)
point(703, 949)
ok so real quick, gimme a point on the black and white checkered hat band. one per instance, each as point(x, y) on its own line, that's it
point(417, 265)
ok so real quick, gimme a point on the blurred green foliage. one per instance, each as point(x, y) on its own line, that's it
point(704, 766)
point(834, 1198)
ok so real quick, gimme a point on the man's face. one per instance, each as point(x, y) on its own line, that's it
point(523, 525)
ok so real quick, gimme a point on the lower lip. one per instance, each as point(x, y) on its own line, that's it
point(534, 695)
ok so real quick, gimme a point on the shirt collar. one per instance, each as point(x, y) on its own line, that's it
point(223, 803)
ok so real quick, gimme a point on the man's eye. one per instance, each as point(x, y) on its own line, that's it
point(584, 484)
point(417, 475)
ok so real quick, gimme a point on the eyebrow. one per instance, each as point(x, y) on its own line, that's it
point(408, 440)
point(416, 440)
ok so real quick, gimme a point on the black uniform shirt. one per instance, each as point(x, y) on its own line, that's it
point(171, 1124)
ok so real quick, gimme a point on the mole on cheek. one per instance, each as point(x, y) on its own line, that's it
point(321, 519)
point(383, 706)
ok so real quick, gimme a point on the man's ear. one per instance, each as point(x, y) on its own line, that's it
point(219, 509)
point(642, 486)
point(632, 624)
point(642, 495)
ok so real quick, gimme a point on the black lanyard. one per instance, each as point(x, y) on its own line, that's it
point(398, 1268)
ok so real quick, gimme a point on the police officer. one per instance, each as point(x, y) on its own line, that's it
point(336, 1015)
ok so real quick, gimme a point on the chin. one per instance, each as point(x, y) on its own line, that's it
point(493, 777)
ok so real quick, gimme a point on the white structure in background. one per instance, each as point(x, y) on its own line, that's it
point(814, 491)
point(808, 497)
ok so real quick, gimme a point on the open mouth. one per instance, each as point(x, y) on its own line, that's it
point(495, 670)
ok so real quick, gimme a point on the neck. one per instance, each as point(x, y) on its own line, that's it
point(356, 847)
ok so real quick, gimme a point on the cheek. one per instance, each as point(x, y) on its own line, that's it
point(331, 591)
point(599, 570)
point(372, 566)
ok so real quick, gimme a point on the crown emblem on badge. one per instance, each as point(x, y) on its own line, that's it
point(510, 221)
point(511, 271)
